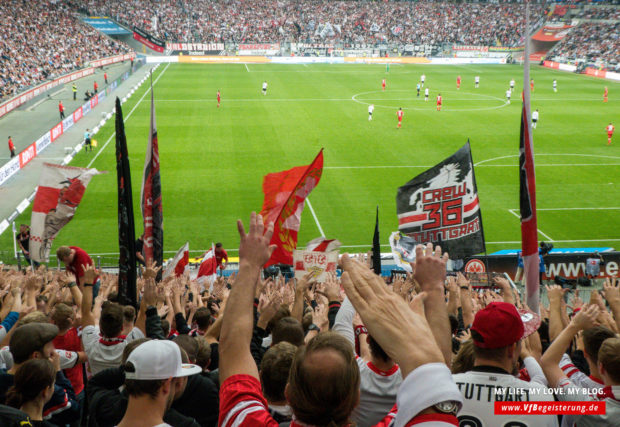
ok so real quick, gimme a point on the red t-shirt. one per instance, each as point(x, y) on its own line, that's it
point(70, 341)
point(610, 129)
point(439, 100)
point(400, 115)
point(220, 256)
point(11, 146)
point(61, 108)
point(80, 258)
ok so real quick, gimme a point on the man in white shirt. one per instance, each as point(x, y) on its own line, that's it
point(508, 93)
point(426, 95)
point(497, 332)
point(371, 108)
point(104, 344)
point(154, 375)
point(477, 81)
point(265, 87)
point(512, 85)
point(534, 119)
point(422, 79)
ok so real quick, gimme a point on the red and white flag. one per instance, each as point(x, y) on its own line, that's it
point(58, 195)
point(179, 264)
point(527, 179)
point(321, 244)
point(285, 195)
point(207, 272)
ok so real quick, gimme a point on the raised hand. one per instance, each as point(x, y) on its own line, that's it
point(254, 248)
point(430, 267)
point(611, 289)
point(586, 318)
point(89, 274)
point(403, 334)
point(151, 270)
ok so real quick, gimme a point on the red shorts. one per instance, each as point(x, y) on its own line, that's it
point(609, 134)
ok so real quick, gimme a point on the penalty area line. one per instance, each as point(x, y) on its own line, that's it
point(128, 115)
point(512, 211)
point(316, 220)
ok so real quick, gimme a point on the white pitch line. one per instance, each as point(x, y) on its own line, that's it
point(546, 154)
point(546, 236)
point(316, 220)
point(246, 67)
point(128, 115)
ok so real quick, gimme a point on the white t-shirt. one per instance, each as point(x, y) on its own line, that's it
point(535, 115)
point(105, 355)
point(512, 83)
point(426, 92)
point(264, 85)
point(555, 83)
point(371, 108)
point(508, 94)
point(422, 78)
point(479, 388)
point(477, 79)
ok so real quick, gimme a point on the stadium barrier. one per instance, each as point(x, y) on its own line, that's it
point(24, 97)
point(602, 74)
point(560, 66)
point(214, 59)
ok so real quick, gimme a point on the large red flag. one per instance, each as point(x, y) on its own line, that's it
point(207, 272)
point(178, 265)
point(285, 194)
point(527, 179)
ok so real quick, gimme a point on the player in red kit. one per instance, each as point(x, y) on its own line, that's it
point(532, 85)
point(605, 93)
point(219, 99)
point(61, 110)
point(610, 133)
point(458, 82)
point(399, 114)
point(383, 85)
point(439, 102)
point(95, 86)
point(11, 147)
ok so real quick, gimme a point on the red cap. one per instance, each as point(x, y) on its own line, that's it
point(498, 325)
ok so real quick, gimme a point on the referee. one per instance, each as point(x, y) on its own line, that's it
point(87, 142)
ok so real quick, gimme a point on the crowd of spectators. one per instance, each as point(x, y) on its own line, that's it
point(40, 40)
point(321, 21)
point(253, 351)
point(591, 42)
point(603, 13)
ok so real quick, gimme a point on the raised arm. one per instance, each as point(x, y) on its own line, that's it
point(237, 325)
point(466, 305)
point(550, 360)
point(87, 298)
point(555, 294)
point(430, 273)
point(612, 295)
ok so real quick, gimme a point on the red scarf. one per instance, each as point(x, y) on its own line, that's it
point(112, 341)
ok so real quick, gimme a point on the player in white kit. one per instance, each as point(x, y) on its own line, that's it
point(534, 118)
point(425, 94)
point(265, 87)
point(555, 85)
point(422, 79)
point(477, 81)
point(371, 108)
point(508, 93)
point(512, 85)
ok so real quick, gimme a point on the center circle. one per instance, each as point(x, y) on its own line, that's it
point(464, 96)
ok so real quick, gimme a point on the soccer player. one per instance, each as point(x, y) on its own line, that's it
point(555, 85)
point(265, 87)
point(512, 85)
point(426, 95)
point(399, 114)
point(458, 82)
point(532, 85)
point(610, 133)
point(61, 110)
point(95, 86)
point(439, 102)
point(477, 81)
point(105, 77)
point(423, 79)
point(534, 118)
point(418, 89)
point(371, 108)
point(605, 93)
point(508, 93)
point(11, 147)
point(383, 85)
point(219, 99)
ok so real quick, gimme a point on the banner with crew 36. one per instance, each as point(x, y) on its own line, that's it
point(441, 206)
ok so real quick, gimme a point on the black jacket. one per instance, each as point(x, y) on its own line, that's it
point(107, 405)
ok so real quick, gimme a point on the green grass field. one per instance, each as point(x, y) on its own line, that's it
point(213, 160)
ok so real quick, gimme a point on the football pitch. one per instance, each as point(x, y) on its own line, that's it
point(213, 159)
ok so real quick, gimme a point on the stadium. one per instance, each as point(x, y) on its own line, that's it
point(140, 132)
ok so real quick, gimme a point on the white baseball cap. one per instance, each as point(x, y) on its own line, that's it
point(158, 360)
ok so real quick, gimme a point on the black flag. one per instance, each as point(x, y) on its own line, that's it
point(441, 206)
point(126, 227)
point(376, 248)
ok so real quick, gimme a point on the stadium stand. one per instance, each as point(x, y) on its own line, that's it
point(348, 22)
point(591, 42)
point(42, 40)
